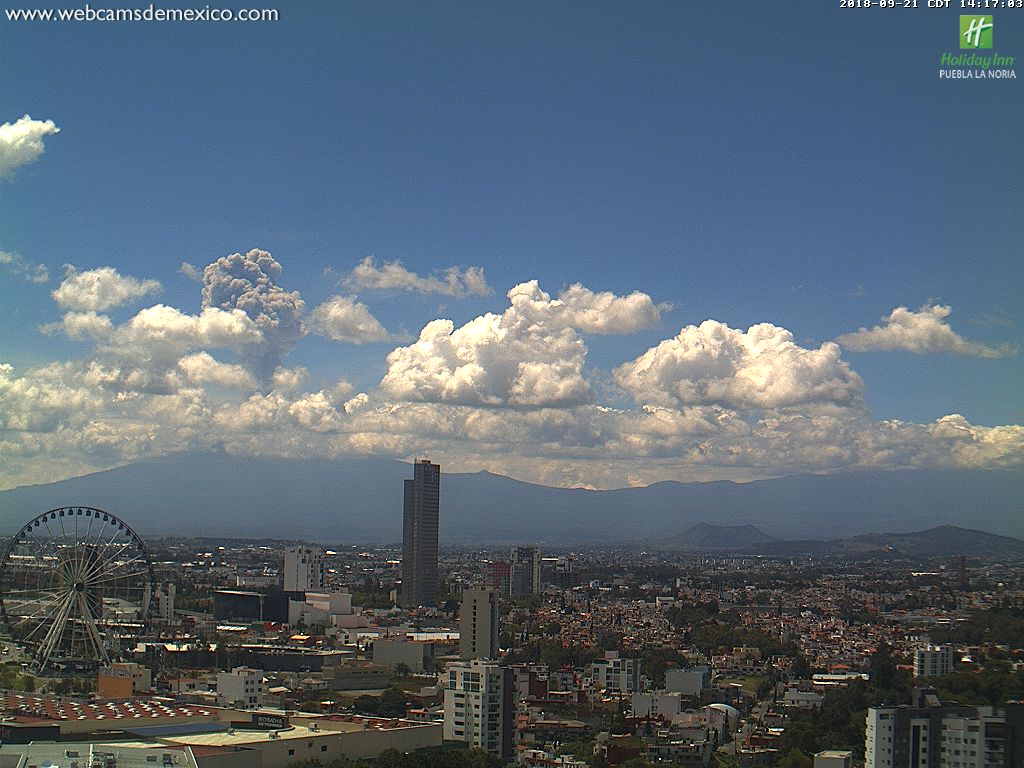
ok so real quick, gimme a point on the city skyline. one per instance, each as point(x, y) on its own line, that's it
point(573, 245)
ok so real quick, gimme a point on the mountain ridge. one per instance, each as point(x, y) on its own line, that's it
point(360, 499)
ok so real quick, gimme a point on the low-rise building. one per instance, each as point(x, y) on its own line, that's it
point(241, 687)
point(834, 758)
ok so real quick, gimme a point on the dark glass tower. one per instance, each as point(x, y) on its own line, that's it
point(419, 535)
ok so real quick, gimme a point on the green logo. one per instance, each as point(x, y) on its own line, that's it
point(975, 31)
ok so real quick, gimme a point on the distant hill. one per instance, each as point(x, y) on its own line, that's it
point(940, 541)
point(706, 537)
point(359, 500)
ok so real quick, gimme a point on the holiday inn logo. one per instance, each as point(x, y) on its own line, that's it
point(976, 59)
point(975, 31)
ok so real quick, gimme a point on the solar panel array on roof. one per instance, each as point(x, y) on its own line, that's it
point(68, 709)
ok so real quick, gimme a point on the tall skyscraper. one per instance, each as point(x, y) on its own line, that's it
point(478, 624)
point(419, 535)
point(525, 577)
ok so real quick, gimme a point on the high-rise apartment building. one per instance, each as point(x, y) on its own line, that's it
point(933, 661)
point(303, 569)
point(616, 674)
point(933, 735)
point(525, 576)
point(478, 706)
point(419, 535)
point(478, 624)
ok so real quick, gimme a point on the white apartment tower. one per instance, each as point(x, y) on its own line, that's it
point(933, 661)
point(478, 706)
point(615, 674)
point(303, 569)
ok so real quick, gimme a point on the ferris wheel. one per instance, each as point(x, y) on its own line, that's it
point(74, 582)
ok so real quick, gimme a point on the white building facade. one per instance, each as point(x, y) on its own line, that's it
point(242, 687)
point(303, 569)
point(478, 706)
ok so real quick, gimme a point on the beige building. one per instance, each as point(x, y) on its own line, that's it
point(478, 624)
point(204, 737)
point(123, 680)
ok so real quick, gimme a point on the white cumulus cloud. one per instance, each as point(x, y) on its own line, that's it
point(526, 357)
point(392, 275)
point(100, 289)
point(202, 368)
point(760, 368)
point(580, 308)
point(342, 318)
point(21, 142)
point(161, 330)
point(922, 331)
point(82, 325)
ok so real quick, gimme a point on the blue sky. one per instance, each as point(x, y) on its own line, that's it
point(803, 166)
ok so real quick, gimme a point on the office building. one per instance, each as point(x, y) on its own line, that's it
point(478, 706)
point(525, 571)
point(419, 535)
point(478, 624)
point(303, 569)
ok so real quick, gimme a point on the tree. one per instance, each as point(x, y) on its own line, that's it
point(882, 666)
point(389, 758)
point(478, 758)
point(618, 726)
point(795, 759)
point(393, 702)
